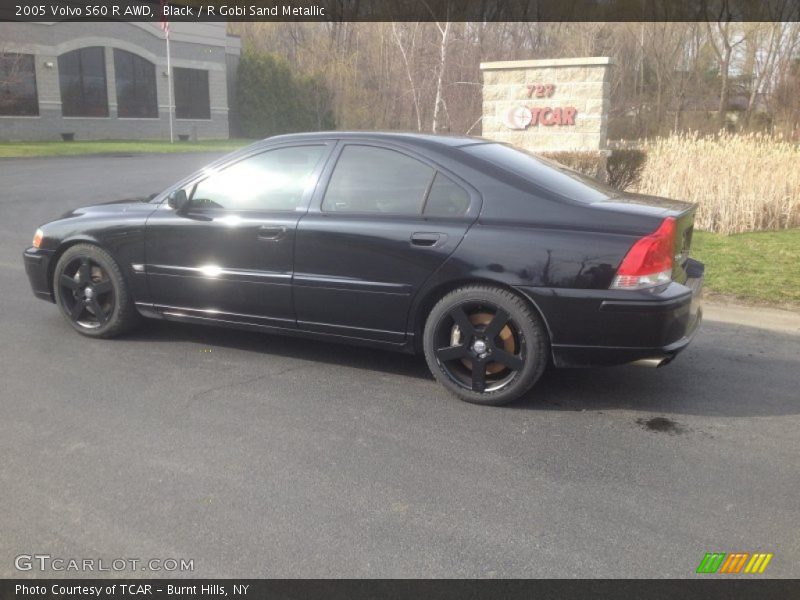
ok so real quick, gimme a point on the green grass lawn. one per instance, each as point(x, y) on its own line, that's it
point(22, 149)
point(760, 267)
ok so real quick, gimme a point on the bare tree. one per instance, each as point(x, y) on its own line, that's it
point(407, 63)
point(723, 41)
point(426, 76)
point(664, 46)
point(444, 31)
point(764, 59)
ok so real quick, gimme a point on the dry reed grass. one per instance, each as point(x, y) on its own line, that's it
point(741, 182)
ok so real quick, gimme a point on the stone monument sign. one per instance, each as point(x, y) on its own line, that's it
point(557, 105)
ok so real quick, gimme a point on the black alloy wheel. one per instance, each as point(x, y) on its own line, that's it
point(92, 292)
point(485, 344)
point(87, 293)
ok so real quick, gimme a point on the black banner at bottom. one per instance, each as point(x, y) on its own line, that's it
point(349, 589)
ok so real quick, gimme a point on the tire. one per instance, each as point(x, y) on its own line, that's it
point(471, 326)
point(104, 307)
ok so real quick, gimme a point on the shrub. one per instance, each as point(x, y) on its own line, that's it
point(588, 163)
point(624, 167)
point(621, 169)
point(273, 100)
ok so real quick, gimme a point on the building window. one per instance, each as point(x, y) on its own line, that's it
point(136, 86)
point(18, 96)
point(82, 76)
point(191, 94)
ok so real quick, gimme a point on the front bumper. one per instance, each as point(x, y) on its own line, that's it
point(37, 266)
point(611, 327)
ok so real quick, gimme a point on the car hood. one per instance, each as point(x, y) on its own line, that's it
point(139, 204)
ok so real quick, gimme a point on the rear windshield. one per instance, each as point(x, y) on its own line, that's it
point(545, 173)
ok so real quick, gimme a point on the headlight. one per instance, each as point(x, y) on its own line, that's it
point(37, 238)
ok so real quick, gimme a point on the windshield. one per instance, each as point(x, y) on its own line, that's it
point(542, 172)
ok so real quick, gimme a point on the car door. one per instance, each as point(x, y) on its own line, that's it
point(229, 254)
point(382, 221)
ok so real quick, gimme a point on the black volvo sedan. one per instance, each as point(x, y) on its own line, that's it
point(490, 261)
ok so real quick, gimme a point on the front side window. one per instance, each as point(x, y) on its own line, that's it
point(136, 85)
point(376, 180)
point(274, 180)
point(191, 94)
point(18, 96)
point(82, 78)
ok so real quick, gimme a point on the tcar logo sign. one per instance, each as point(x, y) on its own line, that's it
point(518, 117)
point(522, 117)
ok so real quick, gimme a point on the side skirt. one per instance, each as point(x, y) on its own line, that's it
point(177, 315)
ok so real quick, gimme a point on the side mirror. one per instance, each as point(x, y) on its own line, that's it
point(178, 200)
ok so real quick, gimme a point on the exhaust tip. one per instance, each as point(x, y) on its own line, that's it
point(654, 362)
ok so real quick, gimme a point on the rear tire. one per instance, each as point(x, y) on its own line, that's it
point(92, 292)
point(485, 344)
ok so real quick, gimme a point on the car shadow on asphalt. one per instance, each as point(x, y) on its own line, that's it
point(346, 355)
point(728, 371)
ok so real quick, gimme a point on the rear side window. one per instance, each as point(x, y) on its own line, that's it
point(446, 198)
point(274, 180)
point(547, 174)
point(368, 179)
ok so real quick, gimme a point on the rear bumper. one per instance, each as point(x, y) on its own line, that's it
point(37, 266)
point(611, 327)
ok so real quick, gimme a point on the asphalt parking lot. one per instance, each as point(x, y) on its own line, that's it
point(264, 456)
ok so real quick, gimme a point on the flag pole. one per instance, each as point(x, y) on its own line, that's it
point(165, 27)
point(169, 83)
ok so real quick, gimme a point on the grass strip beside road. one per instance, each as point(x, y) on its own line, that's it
point(33, 149)
point(761, 267)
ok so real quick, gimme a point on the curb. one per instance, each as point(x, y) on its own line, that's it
point(773, 319)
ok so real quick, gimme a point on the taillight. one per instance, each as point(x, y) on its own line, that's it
point(37, 238)
point(649, 262)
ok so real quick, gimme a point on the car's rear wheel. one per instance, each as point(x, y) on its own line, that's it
point(92, 293)
point(485, 344)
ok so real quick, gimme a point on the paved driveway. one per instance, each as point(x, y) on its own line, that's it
point(265, 456)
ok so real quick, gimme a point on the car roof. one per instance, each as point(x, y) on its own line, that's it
point(410, 138)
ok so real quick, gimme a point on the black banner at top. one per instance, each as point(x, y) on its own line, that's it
point(400, 10)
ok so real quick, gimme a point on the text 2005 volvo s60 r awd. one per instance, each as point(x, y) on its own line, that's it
point(490, 261)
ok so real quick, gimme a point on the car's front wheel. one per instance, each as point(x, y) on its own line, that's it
point(485, 344)
point(92, 292)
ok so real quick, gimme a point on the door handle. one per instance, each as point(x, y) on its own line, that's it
point(427, 239)
point(271, 233)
